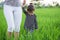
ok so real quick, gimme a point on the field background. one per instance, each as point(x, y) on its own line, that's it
point(48, 25)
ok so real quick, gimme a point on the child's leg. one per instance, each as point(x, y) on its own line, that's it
point(17, 20)
point(31, 30)
point(31, 33)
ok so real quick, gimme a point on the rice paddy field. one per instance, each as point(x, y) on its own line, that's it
point(48, 20)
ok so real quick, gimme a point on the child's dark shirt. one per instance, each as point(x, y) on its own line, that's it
point(30, 21)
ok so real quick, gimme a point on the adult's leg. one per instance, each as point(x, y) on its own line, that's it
point(9, 18)
point(17, 20)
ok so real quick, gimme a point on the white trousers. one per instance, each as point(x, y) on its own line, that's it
point(13, 17)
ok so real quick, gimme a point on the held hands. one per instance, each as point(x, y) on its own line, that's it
point(24, 2)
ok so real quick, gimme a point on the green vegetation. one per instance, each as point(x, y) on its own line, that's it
point(48, 25)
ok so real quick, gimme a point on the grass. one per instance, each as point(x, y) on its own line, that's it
point(48, 25)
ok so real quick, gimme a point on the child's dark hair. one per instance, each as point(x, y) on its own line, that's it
point(30, 8)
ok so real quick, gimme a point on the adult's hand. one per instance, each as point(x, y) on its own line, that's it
point(24, 2)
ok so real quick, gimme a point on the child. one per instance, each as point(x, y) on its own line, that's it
point(30, 21)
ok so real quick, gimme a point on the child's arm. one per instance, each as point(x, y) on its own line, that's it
point(36, 26)
point(23, 8)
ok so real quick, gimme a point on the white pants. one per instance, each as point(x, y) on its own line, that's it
point(13, 17)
